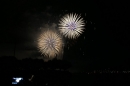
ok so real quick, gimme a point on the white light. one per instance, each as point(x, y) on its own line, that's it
point(17, 80)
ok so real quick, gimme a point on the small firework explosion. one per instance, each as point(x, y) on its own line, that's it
point(71, 25)
point(50, 44)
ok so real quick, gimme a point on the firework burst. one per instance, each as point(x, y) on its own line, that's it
point(50, 44)
point(71, 25)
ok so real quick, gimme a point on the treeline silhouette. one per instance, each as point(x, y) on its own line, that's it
point(36, 72)
point(51, 73)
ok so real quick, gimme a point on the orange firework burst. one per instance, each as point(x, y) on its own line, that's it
point(50, 44)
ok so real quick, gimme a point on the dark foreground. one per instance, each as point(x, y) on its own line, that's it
point(101, 80)
point(54, 73)
point(64, 78)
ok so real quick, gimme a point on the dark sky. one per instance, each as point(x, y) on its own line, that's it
point(104, 43)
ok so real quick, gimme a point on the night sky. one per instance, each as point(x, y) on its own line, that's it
point(104, 43)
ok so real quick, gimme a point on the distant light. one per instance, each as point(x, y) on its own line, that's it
point(90, 22)
point(84, 37)
point(17, 80)
point(14, 82)
point(85, 14)
point(57, 69)
point(94, 28)
point(46, 83)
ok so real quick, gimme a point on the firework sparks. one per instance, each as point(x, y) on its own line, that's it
point(50, 44)
point(71, 25)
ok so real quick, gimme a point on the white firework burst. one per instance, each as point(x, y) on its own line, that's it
point(50, 44)
point(71, 25)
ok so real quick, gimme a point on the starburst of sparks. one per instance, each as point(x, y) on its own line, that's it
point(71, 25)
point(50, 44)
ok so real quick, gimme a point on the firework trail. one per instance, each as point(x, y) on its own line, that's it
point(50, 44)
point(71, 25)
